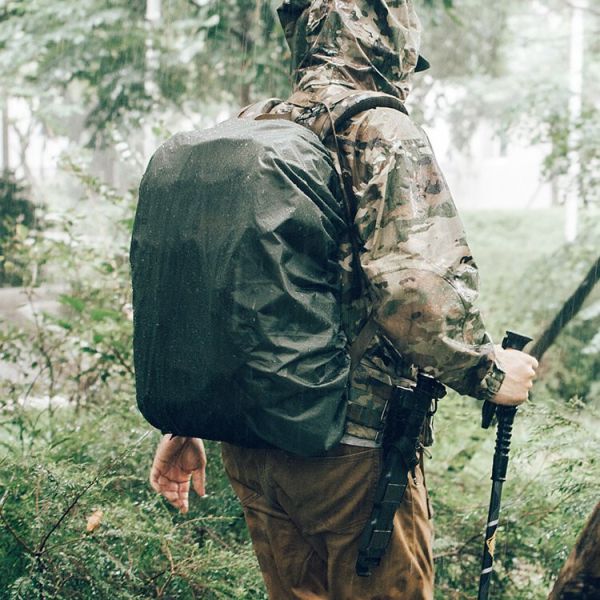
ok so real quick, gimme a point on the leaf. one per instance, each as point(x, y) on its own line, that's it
point(94, 521)
point(99, 314)
point(212, 21)
point(21, 231)
point(76, 304)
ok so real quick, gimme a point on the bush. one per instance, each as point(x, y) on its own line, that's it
point(80, 520)
point(17, 217)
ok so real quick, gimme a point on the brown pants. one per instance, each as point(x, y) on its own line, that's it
point(305, 516)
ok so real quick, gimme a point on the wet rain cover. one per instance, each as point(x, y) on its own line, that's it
point(236, 288)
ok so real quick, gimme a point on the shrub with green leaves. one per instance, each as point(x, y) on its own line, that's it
point(17, 218)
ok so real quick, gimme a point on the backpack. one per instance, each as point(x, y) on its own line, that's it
point(237, 286)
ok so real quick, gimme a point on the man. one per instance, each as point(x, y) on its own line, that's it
point(305, 515)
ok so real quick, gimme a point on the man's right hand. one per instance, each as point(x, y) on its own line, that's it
point(520, 371)
point(177, 461)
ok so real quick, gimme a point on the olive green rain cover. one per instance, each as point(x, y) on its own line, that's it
point(236, 288)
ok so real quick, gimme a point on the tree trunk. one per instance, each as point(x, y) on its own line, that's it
point(569, 309)
point(5, 125)
point(579, 579)
point(575, 107)
point(248, 18)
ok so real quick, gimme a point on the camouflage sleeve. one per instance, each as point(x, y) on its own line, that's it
point(416, 257)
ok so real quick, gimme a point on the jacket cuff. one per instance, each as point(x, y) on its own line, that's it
point(491, 383)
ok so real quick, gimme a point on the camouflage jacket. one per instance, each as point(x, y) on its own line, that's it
point(422, 279)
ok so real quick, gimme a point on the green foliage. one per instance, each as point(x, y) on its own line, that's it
point(86, 452)
point(140, 548)
point(109, 58)
point(224, 52)
point(499, 69)
point(83, 350)
point(245, 49)
point(575, 362)
point(527, 283)
point(17, 219)
point(553, 474)
point(48, 46)
point(456, 48)
point(550, 492)
point(541, 115)
point(445, 3)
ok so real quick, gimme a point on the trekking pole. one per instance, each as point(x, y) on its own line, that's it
point(506, 416)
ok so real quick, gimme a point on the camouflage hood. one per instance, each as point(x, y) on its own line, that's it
point(360, 44)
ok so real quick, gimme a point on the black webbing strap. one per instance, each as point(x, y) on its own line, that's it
point(401, 456)
point(352, 104)
point(361, 341)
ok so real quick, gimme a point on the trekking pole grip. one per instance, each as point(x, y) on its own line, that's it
point(506, 417)
point(489, 409)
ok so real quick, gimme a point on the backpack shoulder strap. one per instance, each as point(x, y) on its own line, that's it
point(340, 111)
point(337, 117)
point(258, 108)
point(361, 342)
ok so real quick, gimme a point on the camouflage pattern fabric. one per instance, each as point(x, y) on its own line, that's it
point(369, 44)
point(422, 278)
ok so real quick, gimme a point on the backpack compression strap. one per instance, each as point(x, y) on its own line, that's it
point(361, 342)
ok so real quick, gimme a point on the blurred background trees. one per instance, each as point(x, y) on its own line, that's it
point(87, 90)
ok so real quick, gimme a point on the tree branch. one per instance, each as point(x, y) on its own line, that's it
point(569, 309)
point(7, 524)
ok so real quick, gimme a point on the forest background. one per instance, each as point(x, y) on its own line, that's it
point(88, 89)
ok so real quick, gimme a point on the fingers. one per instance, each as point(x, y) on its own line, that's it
point(532, 371)
point(183, 492)
point(175, 463)
point(154, 475)
point(533, 363)
point(199, 481)
point(176, 492)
